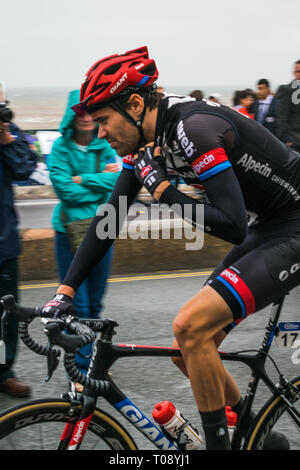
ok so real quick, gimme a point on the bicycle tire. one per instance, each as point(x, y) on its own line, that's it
point(22, 425)
point(274, 416)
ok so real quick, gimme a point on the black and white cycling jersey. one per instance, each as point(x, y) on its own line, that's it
point(242, 168)
point(201, 139)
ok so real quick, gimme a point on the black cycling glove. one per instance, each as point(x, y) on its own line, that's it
point(150, 170)
point(59, 305)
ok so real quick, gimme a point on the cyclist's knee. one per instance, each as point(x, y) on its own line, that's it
point(197, 327)
point(187, 329)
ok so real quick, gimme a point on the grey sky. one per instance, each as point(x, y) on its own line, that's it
point(195, 43)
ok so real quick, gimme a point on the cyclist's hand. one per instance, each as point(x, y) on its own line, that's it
point(150, 168)
point(59, 305)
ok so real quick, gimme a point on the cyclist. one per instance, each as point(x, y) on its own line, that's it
point(252, 186)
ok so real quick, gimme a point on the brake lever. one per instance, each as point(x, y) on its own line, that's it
point(52, 329)
point(52, 361)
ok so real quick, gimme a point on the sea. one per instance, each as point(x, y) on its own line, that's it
point(43, 108)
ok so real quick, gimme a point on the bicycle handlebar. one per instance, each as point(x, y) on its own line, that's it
point(80, 336)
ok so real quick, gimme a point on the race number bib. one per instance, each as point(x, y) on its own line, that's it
point(288, 334)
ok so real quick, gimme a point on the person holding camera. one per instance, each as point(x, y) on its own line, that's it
point(17, 162)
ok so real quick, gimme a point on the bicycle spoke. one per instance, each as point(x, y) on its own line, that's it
point(45, 437)
point(290, 428)
point(277, 426)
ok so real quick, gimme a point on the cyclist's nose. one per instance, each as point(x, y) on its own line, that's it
point(102, 134)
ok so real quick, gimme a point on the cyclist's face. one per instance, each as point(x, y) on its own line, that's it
point(117, 130)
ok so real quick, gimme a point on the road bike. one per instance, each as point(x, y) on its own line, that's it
point(74, 421)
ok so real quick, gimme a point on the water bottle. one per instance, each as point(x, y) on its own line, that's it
point(231, 421)
point(171, 420)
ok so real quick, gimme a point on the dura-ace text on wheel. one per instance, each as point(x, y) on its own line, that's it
point(39, 424)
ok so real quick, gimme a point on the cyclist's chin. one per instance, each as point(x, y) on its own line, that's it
point(124, 149)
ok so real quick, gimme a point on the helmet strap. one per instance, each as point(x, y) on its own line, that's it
point(139, 123)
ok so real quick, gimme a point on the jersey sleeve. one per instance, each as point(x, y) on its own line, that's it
point(128, 162)
point(201, 139)
point(210, 163)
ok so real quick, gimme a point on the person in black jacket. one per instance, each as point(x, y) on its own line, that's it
point(265, 107)
point(289, 111)
point(17, 162)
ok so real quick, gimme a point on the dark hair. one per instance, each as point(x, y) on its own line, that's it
point(236, 98)
point(152, 99)
point(197, 94)
point(264, 81)
point(297, 62)
point(241, 94)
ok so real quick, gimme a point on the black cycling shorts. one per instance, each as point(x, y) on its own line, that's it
point(263, 268)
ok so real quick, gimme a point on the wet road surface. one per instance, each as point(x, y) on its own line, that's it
point(144, 307)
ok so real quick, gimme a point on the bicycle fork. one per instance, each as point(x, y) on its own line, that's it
point(74, 432)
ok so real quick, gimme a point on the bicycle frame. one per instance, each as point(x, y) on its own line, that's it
point(106, 353)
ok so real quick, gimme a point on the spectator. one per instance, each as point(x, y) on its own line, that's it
point(289, 111)
point(17, 162)
point(215, 97)
point(73, 162)
point(197, 94)
point(264, 108)
point(243, 100)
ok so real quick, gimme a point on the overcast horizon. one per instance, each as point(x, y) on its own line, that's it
point(52, 43)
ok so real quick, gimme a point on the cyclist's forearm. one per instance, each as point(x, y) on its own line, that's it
point(102, 232)
point(225, 216)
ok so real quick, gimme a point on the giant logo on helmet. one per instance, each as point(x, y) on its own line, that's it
point(119, 83)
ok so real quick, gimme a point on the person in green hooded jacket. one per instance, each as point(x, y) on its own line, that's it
point(83, 171)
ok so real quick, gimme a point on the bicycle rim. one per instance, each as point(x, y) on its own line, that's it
point(38, 425)
point(274, 417)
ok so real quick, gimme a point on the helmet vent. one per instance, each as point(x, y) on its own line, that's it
point(149, 70)
point(101, 87)
point(113, 69)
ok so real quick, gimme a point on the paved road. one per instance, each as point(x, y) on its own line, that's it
point(144, 306)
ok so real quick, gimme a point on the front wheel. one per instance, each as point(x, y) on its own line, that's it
point(274, 416)
point(39, 425)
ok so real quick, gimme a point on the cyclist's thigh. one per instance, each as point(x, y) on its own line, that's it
point(237, 252)
point(260, 277)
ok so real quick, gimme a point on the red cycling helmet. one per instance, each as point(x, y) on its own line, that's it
point(110, 77)
point(115, 77)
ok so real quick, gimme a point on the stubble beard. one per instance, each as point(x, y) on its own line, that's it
point(128, 143)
